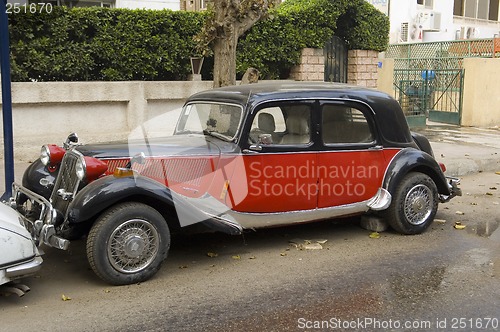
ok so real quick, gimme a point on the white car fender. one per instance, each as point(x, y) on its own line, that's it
point(16, 244)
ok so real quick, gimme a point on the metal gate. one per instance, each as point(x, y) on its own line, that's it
point(336, 60)
point(434, 94)
point(428, 77)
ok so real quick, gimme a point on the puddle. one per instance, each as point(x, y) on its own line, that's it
point(485, 228)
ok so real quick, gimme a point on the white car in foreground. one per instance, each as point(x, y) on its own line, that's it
point(19, 256)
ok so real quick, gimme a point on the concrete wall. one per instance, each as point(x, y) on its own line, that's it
point(97, 111)
point(385, 76)
point(481, 92)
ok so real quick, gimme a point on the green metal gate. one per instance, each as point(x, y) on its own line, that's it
point(434, 94)
point(428, 77)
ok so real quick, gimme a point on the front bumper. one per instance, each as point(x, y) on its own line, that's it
point(453, 188)
point(42, 229)
point(21, 270)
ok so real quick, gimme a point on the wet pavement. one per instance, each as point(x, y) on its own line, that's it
point(464, 150)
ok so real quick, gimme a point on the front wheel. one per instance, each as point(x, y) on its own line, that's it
point(414, 204)
point(128, 243)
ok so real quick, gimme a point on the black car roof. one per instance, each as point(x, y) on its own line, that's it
point(255, 93)
point(388, 114)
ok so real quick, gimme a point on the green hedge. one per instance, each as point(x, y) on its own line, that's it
point(86, 44)
point(273, 46)
point(102, 44)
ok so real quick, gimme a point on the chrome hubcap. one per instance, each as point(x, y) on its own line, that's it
point(133, 246)
point(418, 204)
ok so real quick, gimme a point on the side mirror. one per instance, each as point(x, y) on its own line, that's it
point(139, 158)
point(71, 141)
point(265, 139)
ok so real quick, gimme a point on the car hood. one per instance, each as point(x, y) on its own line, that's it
point(179, 145)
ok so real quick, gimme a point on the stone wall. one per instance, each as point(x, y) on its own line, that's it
point(311, 67)
point(362, 68)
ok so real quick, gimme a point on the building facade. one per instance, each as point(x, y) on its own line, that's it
point(440, 20)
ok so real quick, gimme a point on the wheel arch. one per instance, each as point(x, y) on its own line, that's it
point(413, 160)
point(109, 191)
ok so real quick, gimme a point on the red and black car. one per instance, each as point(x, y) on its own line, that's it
point(241, 157)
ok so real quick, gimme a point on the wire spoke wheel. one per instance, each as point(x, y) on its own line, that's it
point(133, 246)
point(414, 204)
point(128, 243)
point(418, 204)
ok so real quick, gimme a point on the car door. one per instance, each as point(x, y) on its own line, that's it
point(351, 165)
point(278, 159)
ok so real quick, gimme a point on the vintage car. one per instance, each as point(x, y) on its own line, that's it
point(241, 157)
point(19, 255)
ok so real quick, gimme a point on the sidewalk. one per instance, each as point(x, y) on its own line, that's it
point(464, 150)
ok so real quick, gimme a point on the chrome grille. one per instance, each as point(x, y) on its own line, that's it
point(66, 180)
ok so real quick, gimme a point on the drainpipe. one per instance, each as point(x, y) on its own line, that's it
point(6, 101)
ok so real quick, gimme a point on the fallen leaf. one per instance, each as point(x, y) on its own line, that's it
point(489, 194)
point(440, 221)
point(460, 213)
point(497, 173)
point(458, 225)
point(283, 254)
point(374, 235)
point(65, 298)
point(236, 257)
point(493, 188)
point(212, 254)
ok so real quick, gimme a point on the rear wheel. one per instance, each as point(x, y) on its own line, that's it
point(414, 204)
point(128, 243)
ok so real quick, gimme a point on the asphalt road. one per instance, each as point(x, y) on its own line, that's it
point(445, 279)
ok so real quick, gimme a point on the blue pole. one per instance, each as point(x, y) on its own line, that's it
point(8, 140)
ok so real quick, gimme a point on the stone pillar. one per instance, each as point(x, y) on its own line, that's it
point(311, 67)
point(362, 68)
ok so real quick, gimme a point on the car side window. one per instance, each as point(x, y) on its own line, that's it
point(282, 125)
point(343, 124)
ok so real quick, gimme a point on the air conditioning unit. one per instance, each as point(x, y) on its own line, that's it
point(429, 20)
point(467, 32)
point(410, 33)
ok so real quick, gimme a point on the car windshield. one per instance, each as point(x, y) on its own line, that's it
point(219, 120)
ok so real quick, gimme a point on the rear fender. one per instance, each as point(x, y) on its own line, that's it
point(413, 160)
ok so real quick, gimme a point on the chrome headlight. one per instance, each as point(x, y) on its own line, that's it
point(81, 169)
point(45, 155)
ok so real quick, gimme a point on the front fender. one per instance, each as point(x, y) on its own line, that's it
point(413, 160)
point(109, 190)
point(36, 174)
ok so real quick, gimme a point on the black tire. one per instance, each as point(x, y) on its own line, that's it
point(128, 243)
point(414, 204)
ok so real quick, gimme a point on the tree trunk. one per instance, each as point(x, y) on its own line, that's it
point(225, 60)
